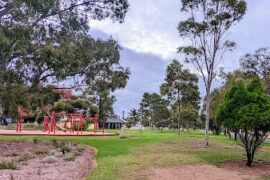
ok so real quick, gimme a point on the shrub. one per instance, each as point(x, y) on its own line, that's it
point(80, 149)
point(41, 151)
point(7, 165)
point(49, 159)
point(77, 153)
point(35, 140)
point(246, 111)
point(55, 143)
point(69, 158)
point(58, 154)
point(52, 152)
point(25, 157)
point(66, 148)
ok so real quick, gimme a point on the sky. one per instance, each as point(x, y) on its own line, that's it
point(149, 41)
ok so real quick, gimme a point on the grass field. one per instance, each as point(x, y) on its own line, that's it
point(127, 158)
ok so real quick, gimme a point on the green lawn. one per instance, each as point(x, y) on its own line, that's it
point(129, 157)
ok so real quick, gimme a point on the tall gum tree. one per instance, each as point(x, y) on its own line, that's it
point(206, 26)
point(258, 64)
point(181, 88)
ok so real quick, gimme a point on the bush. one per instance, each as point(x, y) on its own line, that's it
point(52, 152)
point(7, 165)
point(69, 158)
point(49, 159)
point(41, 151)
point(35, 140)
point(77, 153)
point(246, 111)
point(25, 157)
point(80, 149)
point(58, 154)
point(55, 143)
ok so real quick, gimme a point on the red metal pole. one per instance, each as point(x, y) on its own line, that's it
point(54, 123)
point(45, 123)
point(81, 119)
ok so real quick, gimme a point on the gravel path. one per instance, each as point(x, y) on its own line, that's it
point(33, 169)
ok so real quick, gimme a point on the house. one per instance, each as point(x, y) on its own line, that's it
point(114, 122)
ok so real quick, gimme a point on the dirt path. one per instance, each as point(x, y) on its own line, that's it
point(197, 172)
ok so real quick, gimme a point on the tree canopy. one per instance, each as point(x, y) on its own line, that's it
point(154, 109)
point(181, 89)
point(258, 64)
point(246, 108)
point(47, 41)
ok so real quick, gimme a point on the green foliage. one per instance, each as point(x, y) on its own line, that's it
point(133, 117)
point(7, 165)
point(69, 105)
point(246, 110)
point(258, 64)
point(205, 28)
point(181, 88)
point(218, 96)
point(180, 85)
point(69, 158)
point(43, 41)
point(35, 140)
point(155, 109)
point(84, 127)
point(106, 76)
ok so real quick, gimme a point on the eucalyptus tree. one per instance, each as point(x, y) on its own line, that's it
point(258, 64)
point(181, 88)
point(155, 108)
point(105, 76)
point(205, 28)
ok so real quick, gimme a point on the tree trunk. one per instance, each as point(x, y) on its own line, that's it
point(235, 135)
point(207, 118)
point(229, 134)
point(178, 126)
point(249, 158)
point(225, 132)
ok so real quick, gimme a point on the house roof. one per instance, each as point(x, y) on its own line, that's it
point(115, 119)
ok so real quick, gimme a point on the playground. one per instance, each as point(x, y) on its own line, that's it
point(57, 133)
point(58, 124)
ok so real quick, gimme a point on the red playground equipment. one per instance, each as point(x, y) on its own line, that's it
point(68, 119)
point(21, 113)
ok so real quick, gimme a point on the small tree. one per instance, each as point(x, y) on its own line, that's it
point(246, 108)
point(133, 116)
